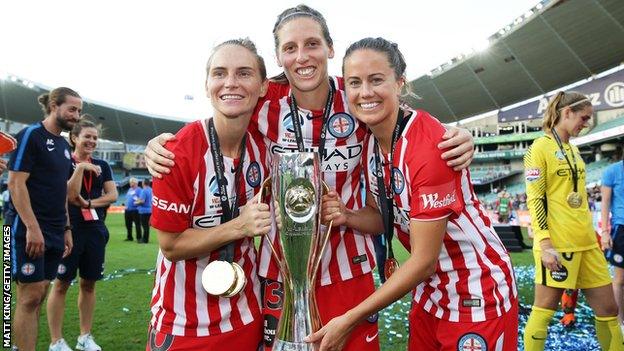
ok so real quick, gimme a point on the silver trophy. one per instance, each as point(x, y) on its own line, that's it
point(296, 191)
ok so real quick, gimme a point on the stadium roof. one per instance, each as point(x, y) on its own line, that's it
point(18, 102)
point(555, 44)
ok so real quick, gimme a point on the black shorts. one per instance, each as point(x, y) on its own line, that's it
point(32, 270)
point(87, 255)
point(615, 256)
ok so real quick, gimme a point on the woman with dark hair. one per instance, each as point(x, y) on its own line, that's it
point(90, 190)
point(464, 290)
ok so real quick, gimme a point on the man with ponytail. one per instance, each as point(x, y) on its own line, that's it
point(41, 230)
point(566, 253)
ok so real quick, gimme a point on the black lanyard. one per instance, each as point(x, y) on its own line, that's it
point(229, 211)
point(386, 197)
point(573, 170)
point(294, 112)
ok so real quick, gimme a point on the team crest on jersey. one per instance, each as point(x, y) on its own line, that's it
point(471, 342)
point(288, 123)
point(253, 174)
point(618, 258)
point(559, 155)
point(341, 125)
point(28, 269)
point(67, 156)
point(61, 269)
point(398, 181)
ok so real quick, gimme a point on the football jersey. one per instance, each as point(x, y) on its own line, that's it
point(548, 183)
point(474, 279)
point(613, 177)
point(348, 253)
point(189, 198)
point(46, 158)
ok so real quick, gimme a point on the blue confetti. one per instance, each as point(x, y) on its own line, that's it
point(580, 337)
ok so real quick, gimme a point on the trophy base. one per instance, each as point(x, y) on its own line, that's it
point(281, 345)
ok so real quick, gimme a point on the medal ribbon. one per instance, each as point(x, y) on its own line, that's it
point(294, 112)
point(87, 182)
point(226, 253)
point(385, 197)
point(573, 170)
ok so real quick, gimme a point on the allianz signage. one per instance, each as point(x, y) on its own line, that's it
point(605, 93)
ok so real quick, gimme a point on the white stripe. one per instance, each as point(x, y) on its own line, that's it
point(163, 280)
point(263, 118)
point(201, 299)
point(242, 304)
point(179, 298)
point(325, 278)
point(343, 258)
point(499, 342)
point(156, 289)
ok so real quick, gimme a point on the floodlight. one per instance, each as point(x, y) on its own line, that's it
point(482, 45)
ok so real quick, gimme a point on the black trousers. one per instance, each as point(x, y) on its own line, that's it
point(132, 217)
point(145, 218)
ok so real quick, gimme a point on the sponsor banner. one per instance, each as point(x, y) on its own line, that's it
point(507, 154)
point(605, 93)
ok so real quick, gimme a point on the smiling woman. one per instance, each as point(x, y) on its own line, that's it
point(214, 158)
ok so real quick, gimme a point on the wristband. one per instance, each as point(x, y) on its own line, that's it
point(68, 227)
point(89, 205)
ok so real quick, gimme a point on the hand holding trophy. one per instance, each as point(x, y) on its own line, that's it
point(296, 188)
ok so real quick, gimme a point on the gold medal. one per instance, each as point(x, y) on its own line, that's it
point(222, 278)
point(574, 199)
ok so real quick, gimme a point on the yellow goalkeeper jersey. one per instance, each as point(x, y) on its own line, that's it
point(548, 183)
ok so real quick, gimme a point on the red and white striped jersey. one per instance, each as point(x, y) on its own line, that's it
point(348, 253)
point(189, 198)
point(474, 279)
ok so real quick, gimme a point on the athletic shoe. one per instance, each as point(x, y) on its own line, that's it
point(59, 345)
point(87, 343)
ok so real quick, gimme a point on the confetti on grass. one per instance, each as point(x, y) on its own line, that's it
point(393, 323)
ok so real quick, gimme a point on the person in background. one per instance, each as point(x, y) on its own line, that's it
point(90, 190)
point(144, 206)
point(566, 252)
point(41, 229)
point(131, 213)
point(503, 206)
point(612, 230)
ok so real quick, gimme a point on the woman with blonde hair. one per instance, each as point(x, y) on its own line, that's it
point(566, 253)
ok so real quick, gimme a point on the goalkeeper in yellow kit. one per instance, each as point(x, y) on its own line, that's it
point(567, 255)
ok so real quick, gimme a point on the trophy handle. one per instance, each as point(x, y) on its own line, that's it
point(318, 255)
point(265, 190)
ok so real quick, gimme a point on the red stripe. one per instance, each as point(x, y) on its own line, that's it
point(190, 303)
